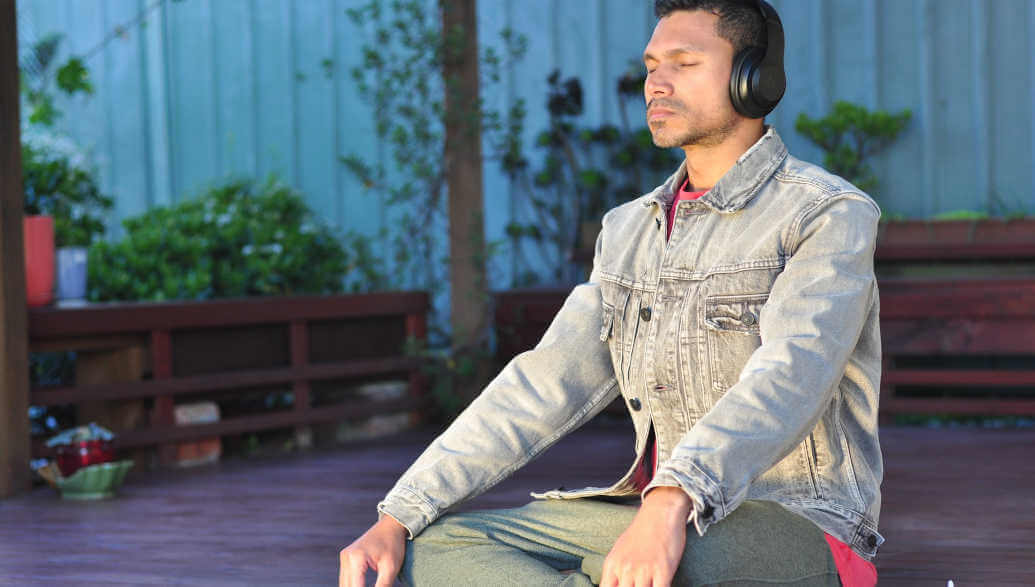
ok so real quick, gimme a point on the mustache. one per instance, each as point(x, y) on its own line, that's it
point(667, 104)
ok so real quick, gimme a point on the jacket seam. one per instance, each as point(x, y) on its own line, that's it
point(814, 206)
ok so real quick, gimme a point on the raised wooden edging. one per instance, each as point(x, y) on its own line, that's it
point(113, 325)
point(987, 317)
point(918, 318)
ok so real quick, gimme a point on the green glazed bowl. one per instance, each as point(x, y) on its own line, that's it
point(95, 481)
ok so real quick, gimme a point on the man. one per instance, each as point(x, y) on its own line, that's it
point(735, 310)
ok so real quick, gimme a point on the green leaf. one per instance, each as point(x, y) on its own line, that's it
point(73, 77)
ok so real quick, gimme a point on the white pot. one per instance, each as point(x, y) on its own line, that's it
point(71, 276)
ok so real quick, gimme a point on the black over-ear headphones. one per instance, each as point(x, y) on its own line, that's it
point(757, 81)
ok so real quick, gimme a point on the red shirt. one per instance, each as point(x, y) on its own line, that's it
point(854, 570)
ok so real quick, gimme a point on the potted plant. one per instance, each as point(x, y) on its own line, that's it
point(64, 208)
point(61, 195)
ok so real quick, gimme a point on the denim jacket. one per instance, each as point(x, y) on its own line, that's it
point(749, 339)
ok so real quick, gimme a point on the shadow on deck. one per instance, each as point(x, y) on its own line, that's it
point(958, 504)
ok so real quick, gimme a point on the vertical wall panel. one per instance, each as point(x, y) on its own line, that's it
point(928, 118)
point(849, 53)
point(1031, 96)
point(1010, 98)
point(979, 94)
point(493, 18)
point(233, 75)
point(535, 20)
point(626, 33)
point(126, 115)
point(955, 168)
point(804, 30)
point(194, 117)
point(580, 44)
point(154, 71)
point(902, 86)
point(360, 211)
point(274, 89)
point(314, 86)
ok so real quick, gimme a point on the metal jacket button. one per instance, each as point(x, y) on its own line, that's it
point(645, 314)
point(872, 541)
point(634, 403)
point(748, 318)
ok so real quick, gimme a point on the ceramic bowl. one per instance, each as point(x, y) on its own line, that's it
point(94, 481)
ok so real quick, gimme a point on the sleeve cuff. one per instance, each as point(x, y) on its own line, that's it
point(709, 507)
point(409, 509)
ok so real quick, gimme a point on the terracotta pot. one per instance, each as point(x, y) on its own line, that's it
point(38, 235)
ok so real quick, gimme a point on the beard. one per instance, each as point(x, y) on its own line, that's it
point(696, 130)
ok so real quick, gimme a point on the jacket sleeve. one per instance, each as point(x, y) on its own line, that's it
point(540, 396)
point(809, 327)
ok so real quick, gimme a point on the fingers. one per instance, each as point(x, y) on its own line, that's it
point(353, 567)
point(387, 569)
point(614, 575)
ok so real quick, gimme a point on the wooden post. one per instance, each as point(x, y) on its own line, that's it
point(162, 415)
point(14, 339)
point(417, 329)
point(299, 360)
point(469, 300)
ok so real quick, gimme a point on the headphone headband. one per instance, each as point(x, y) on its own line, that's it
point(774, 35)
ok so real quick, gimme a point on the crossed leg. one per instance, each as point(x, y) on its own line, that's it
point(564, 542)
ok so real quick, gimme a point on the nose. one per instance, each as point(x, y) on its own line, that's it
point(657, 85)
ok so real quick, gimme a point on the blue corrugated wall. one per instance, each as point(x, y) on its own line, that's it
point(210, 88)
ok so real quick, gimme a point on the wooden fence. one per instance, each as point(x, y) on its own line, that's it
point(319, 338)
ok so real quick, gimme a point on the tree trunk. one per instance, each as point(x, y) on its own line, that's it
point(14, 339)
point(469, 300)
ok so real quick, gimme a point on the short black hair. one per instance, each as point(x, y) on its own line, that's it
point(740, 22)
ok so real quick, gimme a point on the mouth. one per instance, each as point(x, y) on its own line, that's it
point(658, 113)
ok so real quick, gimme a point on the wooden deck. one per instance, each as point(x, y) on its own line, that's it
point(959, 504)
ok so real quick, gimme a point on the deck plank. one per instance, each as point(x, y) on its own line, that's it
point(958, 504)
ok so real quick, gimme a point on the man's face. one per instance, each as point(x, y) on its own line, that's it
point(687, 88)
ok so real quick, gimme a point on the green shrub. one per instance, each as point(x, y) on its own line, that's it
point(238, 239)
point(849, 136)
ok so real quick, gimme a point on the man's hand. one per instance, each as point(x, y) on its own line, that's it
point(648, 552)
point(380, 548)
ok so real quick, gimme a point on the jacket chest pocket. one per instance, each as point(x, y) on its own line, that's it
point(732, 334)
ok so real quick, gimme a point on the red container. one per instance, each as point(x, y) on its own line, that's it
point(38, 239)
point(72, 457)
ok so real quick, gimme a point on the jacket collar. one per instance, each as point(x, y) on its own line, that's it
point(740, 184)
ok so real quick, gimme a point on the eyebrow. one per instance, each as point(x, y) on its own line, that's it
point(676, 52)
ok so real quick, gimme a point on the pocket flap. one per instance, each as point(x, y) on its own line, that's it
point(739, 314)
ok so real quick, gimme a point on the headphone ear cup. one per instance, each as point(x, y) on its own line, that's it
point(741, 92)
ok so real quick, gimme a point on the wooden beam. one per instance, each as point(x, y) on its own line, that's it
point(180, 386)
point(14, 341)
point(469, 300)
point(134, 317)
point(251, 423)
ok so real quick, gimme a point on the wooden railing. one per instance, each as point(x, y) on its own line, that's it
point(357, 337)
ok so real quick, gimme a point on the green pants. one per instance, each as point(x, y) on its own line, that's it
point(558, 542)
